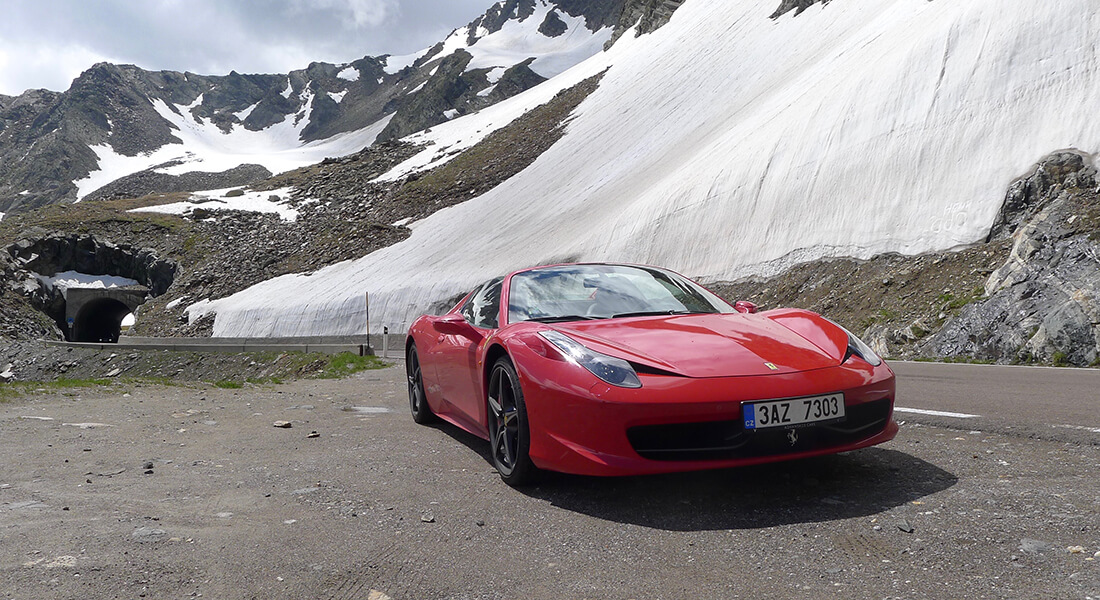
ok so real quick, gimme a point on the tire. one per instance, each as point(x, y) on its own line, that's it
point(509, 428)
point(418, 402)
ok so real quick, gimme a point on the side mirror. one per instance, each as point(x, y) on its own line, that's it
point(454, 324)
point(744, 306)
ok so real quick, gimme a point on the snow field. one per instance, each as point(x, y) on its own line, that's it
point(207, 148)
point(218, 200)
point(67, 280)
point(519, 40)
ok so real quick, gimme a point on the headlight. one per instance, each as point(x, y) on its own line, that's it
point(857, 347)
point(614, 371)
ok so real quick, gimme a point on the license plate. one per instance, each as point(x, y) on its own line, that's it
point(795, 412)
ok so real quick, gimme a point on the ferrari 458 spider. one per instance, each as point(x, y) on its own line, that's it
point(608, 369)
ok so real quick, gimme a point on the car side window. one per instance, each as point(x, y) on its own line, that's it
point(483, 308)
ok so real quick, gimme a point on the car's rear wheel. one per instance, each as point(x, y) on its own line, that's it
point(509, 429)
point(421, 412)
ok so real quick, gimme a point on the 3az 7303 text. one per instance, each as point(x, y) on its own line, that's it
point(797, 411)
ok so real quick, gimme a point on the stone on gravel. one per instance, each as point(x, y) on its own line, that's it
point(1031, 546)
point(282, 424)
point(25, 505)
point(148, 534)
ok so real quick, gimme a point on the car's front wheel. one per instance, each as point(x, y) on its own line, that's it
point(421, 412)
point(509, 429)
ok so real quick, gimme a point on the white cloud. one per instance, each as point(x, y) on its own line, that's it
point(363, 13)
point(42, 66)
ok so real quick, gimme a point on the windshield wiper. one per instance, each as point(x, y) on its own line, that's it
point(653, 313)
point(562, 318)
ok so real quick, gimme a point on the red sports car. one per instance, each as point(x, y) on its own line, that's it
point(608, 369)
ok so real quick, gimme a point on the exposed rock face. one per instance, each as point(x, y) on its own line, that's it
point(450, 86)
point(552, 25)
point(1044, 302)
point(796, 5)
point(90, 255)
point(497, 16)
point(597, 13)
point(647, 15)
point(18, 318)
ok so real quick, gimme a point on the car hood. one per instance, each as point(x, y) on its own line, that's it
point(708, 345)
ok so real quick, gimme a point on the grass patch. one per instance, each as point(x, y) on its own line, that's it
point(16, 389)
point(228, 384)
point(952, 302)
point(1060, 359)
point(344, 364)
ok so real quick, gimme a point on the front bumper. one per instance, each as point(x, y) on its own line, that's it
point(682, 424)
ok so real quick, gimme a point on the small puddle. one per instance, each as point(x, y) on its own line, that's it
point(367, 410)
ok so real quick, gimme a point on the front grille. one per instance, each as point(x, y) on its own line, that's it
point(722, 440)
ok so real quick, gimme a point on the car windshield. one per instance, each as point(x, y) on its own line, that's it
point(580, 292)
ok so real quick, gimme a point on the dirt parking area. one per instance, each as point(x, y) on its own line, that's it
point(158, 491)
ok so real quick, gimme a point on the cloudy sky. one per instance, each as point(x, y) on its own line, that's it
point(46, 43)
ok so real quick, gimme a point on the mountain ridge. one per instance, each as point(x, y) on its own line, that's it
point(53, 145)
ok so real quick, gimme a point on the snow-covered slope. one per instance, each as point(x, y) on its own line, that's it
point(727, 144)
point(520, 38)
point(205, 147)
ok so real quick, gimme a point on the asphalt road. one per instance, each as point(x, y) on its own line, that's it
point(186, 492)
point(1043, 401)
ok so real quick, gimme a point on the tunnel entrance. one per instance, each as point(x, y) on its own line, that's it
point(96, 315)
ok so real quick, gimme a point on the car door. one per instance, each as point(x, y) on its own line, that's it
point(459, 371)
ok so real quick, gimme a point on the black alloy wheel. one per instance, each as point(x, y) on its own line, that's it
point(509, 430)
point(421, 412)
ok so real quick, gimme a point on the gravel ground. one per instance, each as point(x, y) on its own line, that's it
point(30, 362)
point(175, 492)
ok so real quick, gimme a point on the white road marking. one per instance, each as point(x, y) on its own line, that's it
point(1079, 427)
point(935, 413)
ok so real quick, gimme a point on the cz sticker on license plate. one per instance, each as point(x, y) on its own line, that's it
point(795, 411)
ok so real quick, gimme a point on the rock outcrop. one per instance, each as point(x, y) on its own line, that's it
point(796, 5)
point(1043, 304)
point(90, 255)
point(646, 16)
